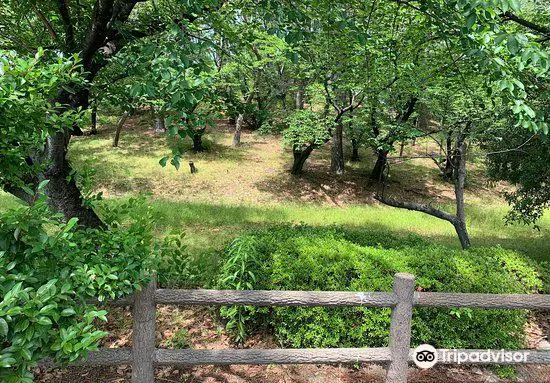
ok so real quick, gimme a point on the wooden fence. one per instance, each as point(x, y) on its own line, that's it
point(143, 356)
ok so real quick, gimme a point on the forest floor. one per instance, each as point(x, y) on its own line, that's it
point(239, 189)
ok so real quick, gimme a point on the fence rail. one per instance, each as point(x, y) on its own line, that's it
point(143, 356)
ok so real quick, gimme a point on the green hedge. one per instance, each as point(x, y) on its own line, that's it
point(303, 258)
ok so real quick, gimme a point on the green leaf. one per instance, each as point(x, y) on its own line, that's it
point(45, 321)
point(48, 308)
point(72, 222)
point(471, 20)
point(3, 328)
point(173, 130)
point(513, 45)
point(163, 161)
point(27, 190)
point(515, 5)
point(68, 312)
point(500, 38)
point(42, 184)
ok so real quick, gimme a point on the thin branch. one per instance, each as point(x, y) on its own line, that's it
point(46, 23)
point(18, 42)
point(528, 24)
point(517, 149)
point(63, 9)
point(423, 208)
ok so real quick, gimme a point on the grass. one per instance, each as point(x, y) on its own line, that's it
point(237, 190)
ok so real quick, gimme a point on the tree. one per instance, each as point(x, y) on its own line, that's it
point(96, 31)
point(307, 130)
point(51, 270)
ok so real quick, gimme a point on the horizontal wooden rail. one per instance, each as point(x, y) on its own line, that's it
point(191, 357)
point(201, 297)
point(144, 356)
point(274, 298)
point(272, 356)
point(485, 301)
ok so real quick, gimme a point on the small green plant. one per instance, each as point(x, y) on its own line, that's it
point(179, 340)
point(239, 273)
point(175, 267)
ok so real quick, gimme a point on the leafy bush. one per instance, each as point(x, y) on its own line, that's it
point(49, 271)
point(305, 128)
point(303, 258)
point(27, 116)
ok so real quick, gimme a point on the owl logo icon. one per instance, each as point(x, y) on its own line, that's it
point(425, 356)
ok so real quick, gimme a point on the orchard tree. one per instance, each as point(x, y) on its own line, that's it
point(96, 31)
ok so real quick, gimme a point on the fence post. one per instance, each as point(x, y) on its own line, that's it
point(400, 328)
point(143, 335)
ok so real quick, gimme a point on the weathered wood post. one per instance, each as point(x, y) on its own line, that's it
point(143, 336)
point(400, 328)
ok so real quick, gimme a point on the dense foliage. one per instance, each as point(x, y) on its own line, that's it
point(27, 116)
point(50, 272)
point(303, 258)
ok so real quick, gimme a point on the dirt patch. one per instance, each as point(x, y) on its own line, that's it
point(258, 171)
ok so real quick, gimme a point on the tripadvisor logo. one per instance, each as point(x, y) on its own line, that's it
point(426, 356)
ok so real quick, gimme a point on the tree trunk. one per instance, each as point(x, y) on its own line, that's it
point(354, 150)
point(460, 180)
point(160, 126)
point(94, 119)
point(197, 143)
point(401, 148)
point(458, 220)
point(377, 173)
point(300, 157)
point(337, 158)
point(299, 100)
point(238, 129)
point(448, 169)
point(119, 128)
point(62, 193)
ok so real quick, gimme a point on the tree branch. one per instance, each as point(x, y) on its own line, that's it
point(423, 208)
point(69, 29)
point(46, 23)
point(528, 24)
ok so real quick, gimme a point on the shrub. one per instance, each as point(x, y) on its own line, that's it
point(304, 258)
point(49, 271)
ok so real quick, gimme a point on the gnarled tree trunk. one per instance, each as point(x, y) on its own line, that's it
point(377, 173)
point(197, 142)
point(62, 193)
point(94, 119)
point(354, 150)
point(459, 161)
point(299, 101)
point(337, 153)
point(160, 126)
point(119, 128)
point(300, 157)
point(238, 129)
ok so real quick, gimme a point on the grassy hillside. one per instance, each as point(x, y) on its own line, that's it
point(249, 187)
